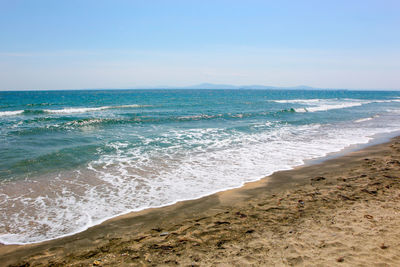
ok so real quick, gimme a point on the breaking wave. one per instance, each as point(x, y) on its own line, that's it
point(67, 110)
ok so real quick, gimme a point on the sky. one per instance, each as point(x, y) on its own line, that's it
point(82, 44)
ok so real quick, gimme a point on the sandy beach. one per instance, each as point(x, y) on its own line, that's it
point(199, 133)
point(341, 212)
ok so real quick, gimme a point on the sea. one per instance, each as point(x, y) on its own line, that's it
point(72, 159)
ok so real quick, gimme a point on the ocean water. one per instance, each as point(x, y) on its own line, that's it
point(72, 159)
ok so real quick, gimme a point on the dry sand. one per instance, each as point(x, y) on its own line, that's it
point(342, 212)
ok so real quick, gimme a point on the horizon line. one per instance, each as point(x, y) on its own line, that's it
point(290, 88)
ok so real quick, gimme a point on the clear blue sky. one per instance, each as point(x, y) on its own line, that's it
point(124, 44)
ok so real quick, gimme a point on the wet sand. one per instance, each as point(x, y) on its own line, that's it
point(341, 212)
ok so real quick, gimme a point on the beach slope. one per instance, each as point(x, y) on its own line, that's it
point(343, 211)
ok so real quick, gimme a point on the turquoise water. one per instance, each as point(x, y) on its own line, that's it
point(71, 159)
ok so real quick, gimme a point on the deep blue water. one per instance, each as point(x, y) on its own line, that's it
point(71, 159)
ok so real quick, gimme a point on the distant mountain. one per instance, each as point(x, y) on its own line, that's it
point(261, 87)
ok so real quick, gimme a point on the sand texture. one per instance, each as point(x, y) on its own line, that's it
point(342, 212)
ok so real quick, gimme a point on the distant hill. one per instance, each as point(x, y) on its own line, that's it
point(261, 87)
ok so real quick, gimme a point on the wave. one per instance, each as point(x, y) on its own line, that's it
point(66, 110)
point(326, 107)
point(74, 110)
point(199, 117)
point(324, 100)
point(11, 113)
point(363, 119)
point(366, 119)
point(299, 100)
point(33, 111)
point(84, 110)
point(21, 112)
point(85, 123)
point(315, 105)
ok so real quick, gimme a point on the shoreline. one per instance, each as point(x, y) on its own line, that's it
point(376, 139)
point(154, 219)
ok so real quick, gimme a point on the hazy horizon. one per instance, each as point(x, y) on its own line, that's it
point(198, 87)
point(69, 45)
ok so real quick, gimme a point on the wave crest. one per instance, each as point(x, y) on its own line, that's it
point(84, 110)
point(11, 113)
point(314, 105)
point(66, 110)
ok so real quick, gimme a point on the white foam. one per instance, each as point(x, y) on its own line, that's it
point(363, 119)
point(11, 113)
point(84, 110)
point(193, 163)
point(200, 116)
point(131, 106)
point(74, 110)
point(367, 119)
point(84, 122)
point(315, 105)
point(328, 106)
point(316, 100)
